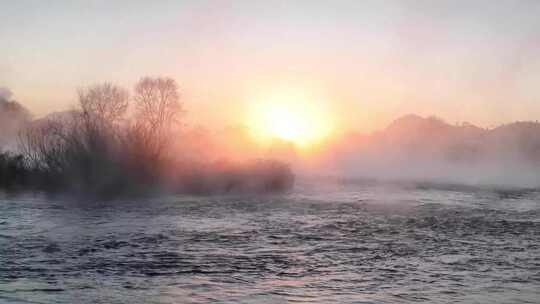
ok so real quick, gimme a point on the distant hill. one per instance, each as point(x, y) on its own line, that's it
point(428, 148)
point(419, 136)
point(519, 140)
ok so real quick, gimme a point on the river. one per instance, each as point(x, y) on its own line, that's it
point(341, 243)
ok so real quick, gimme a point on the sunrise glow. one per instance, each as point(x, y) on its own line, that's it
point(290, 115)
point(241, 151)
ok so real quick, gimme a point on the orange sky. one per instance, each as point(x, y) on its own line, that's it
point(364, 62)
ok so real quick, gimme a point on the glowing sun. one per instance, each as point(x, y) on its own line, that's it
point(290, 116)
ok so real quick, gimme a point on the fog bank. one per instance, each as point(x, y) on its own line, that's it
point(420, 149)
point(101, 149)
point(13, 116)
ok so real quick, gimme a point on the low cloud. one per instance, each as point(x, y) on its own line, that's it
point(5, 93)
point(13, 116)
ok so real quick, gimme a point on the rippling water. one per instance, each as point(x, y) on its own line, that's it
point(343, 244)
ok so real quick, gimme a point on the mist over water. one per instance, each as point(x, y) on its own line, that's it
point(321, 243)
point(421, 211)
point(429, 150)
point(257, 160)
point(100, 149)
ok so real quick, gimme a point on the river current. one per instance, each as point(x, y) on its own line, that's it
point(348, 243)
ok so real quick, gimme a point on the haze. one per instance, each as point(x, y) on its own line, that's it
point(367, 61)
point(269, 151)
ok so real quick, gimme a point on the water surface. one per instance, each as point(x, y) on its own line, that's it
point(352, 243)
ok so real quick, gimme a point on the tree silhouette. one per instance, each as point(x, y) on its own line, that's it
point(158, 108)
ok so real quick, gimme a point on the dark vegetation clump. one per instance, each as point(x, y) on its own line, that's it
point(261, 176)
point(13, 173)
point(98, 150)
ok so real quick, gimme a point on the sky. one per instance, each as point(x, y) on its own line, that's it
point(368, 62)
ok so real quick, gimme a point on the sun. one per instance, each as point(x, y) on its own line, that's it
point(287, 123)
point(291, 116)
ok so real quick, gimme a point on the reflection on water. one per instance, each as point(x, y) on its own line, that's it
point(348, 244)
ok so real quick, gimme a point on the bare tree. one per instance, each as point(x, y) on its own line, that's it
point(158, 108)
point(77, 147)
point(93, 150)
point(102, 110)
point(103, 104)
point(43, 144)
